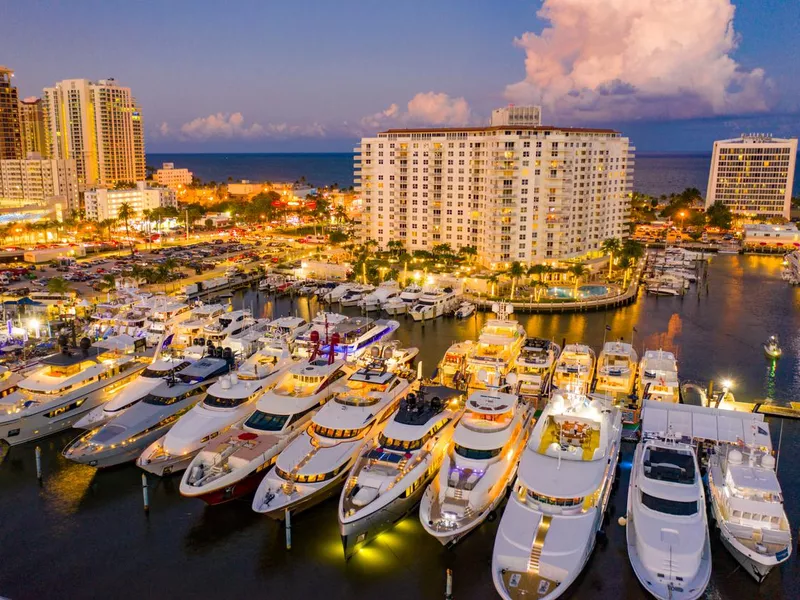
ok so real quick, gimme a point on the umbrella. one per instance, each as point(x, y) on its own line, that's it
point(28, 302)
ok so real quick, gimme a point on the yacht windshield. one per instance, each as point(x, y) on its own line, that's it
point(669, 507)
point(266, 421)
point(477, 454)
point(154, 373)
point(218, 402)
point(666, 464)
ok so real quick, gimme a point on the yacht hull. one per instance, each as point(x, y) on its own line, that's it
point(395, 310)
point(243, 487)
point(111, 457)
point(297, 503)
point(168, 465)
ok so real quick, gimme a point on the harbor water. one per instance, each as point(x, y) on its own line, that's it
point(84, 534)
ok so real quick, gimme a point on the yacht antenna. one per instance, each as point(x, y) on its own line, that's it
point(778, 453)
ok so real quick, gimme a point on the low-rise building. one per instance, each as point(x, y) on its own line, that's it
point(101, 203)
point(173, 178)
point(760, 236)
point(38, 181)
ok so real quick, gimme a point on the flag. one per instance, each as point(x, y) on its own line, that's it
point(167, 340)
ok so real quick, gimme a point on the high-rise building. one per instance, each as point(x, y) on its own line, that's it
point(37, 180)
point(31, 126)
point(753, 175)
point(99, 125)
point(173, 178)
point(523, 193)
point(102, 203)
point(10, 142)
point(517, 115)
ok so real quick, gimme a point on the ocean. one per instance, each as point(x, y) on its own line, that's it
point(654, 173)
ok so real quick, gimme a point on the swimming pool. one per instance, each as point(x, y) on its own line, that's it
point(584, 291)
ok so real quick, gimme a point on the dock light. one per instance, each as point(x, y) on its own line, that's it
point(727, 384)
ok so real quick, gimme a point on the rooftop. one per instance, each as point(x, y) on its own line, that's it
point(500, 128)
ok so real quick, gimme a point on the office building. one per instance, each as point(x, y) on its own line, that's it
point(31, 127)
point(517, 115)
point(10, 142)
point(99, 125)
point(103, 203)
point(753, 175)
point(173, 178)
point(38, 181)
point(528, 194)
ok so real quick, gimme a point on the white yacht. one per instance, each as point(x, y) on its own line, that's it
point(566, 474)
point(667, 529)
point(228, 401)
point(616, 370)
point(322, 326)
point(284, 331)
point(65, 386)
point(499, 343)
point(575, 368)
point(747, 503)
point(233, 464)
point(452, 368)
point(122, 438)
point(229, 323)
point(164, 315)
point(351, 337)
point(658, 377)
point(190, 330)
point(249, 339)
point(479, 467)
point(386, 291)
point(534, 366)
point(464, 310)
point(433, 304)
point(334, 295)
point(403, 303)
point(313, 466)
point(392, 471)
point(355, 295)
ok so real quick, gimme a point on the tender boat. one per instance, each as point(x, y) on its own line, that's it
point(747, 503)
point(386, 291)
point(392, 471)
point(566, 474)
point(233, 464)
point(464, 310)
point(313, 466)
point(479, 467)
point(433, 304)
point(124, 437)
point(575, 368)
point(667, 530)
point(65, 386)
point(658, 377)
point(616, 370)
point(499, 343)
point(772, 349)
point(351, 337)
point(534, 366)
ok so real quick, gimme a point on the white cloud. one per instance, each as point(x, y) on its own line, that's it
point(233, 126)
point(426, 108)
point(627, 59)
point(164, 129)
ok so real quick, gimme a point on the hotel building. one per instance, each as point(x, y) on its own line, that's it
point(10, 142)
point(99, 125)
point(521, 193)
point(173, 178)
point(38, 181)
point(753, 175)
point(102, 203)
point(31, 126)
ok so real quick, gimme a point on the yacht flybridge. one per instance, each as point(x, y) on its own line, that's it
point(433, 303)
point(658, 377)
point(575, 368)
point(67, 385)
point(165, 314)
point(479, 467)
point(534, 366)
point(616, 370)
point(313, 465)
point(499, 343)
point(392, 471)
point(452, 368)
point(566, 474)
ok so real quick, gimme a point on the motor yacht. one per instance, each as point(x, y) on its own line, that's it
point(355, 295)
point(499, 343)
point(403, 303)
point(314, 465)
point(322, 326)
point(534, 366)
point(122, 438)
point(479, 466)
point(65, 386)
point(464, 310)
point(202, 315)
point(772, 348)
point(228, 401)
point(164, 315)
point(233, 464)
point(667, 528)
point(556, 509)
point(452, 368)
point(616, 370)
point(575, 368)
point(385, 292)
point(747, 503)
point(658, 377)
point(391, 472)
point(391, 353)
point(433, 304)
point(351, 337)
point(284, 331)
point(229, 323)
point(250, 339)
point(334, 295)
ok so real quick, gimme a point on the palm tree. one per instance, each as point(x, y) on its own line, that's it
point(539, 271)
point(470, 252)
point(632, 249)
point(107, 282)
point(515, 272)
point(126, 213)
point(539, 287)
point(611, 246)
point(578, 271)
point(58, 285)
point(493, 280)
point(394, 246)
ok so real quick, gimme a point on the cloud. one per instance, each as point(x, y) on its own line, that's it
point(233, 126)
point(164, 129)
point(628, 59)
point(426, 108)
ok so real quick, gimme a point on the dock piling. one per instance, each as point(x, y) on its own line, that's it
point(288, 519)
point(38, 453)
point(448, 592)
point(145, 494)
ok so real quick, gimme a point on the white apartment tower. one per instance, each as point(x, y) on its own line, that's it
point(528, 194)
point(753, 175)
point(103, 203)
point(99, 125)
point(35, 180)
point(517, 115)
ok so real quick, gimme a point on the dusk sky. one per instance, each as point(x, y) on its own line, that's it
point(267, 76)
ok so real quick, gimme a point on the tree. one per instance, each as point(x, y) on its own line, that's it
point(539, 271)
point(515, 272)
point(126, 213)
point(632, 249)
point(578, 271)
point(394, 246)
point(611, 246)
point(539, 287)
point(124, 185)
point(58, 285)
point(470, 252)
point(493, 280)
point(695, 234)
point(443, 252)
point(719, 215)
point(107, 282)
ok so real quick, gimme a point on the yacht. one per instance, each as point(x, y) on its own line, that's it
point(350, 338)
point(106, 315)
point(385, 292)
point(227, 402)
point(402, 304)
point(191, 329)
point(9, 379)
point(658, 377)
point(355, 295)
point(667, 529)
point(464, 310)
point(233, 464)
point(747, 503)
point(534, 366)
point(499, 343)
point(433, 304)
point(322, 327)
point(616, 370)
point(556, 509)
point(334, 295)
point(391, 353)
point(314, 465)
point(575, 368)
point(284, 331)
point(772, 348)
point(452, 368)
point(65, 386)
point(164, 315)
point(249, 339)
point(479, 466)
point(122, 438)
point(229, 323)
point(391, 472)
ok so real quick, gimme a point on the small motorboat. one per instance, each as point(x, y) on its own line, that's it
point(771, 348)
point(464, 310)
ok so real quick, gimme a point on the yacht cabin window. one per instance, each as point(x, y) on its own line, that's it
point(669, 507)
point(473, 454)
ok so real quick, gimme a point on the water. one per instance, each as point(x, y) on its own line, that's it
point(654, 173)
point(83, 534)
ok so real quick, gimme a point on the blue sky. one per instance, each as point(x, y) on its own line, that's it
point(314, 75)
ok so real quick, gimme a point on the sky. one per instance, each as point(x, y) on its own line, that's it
point(314, 75)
